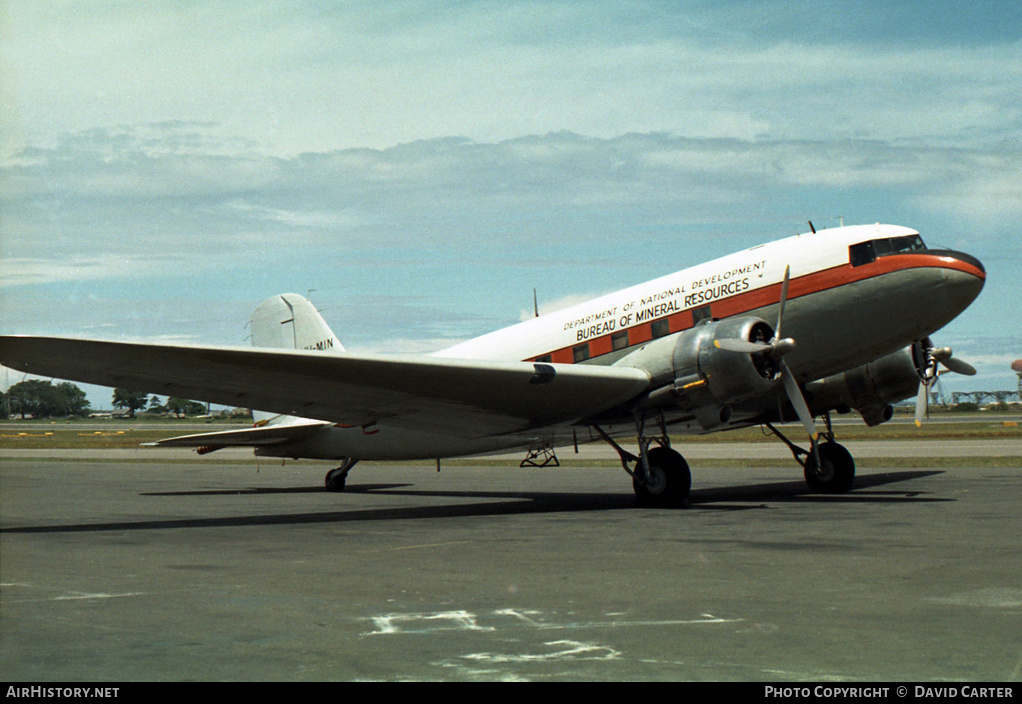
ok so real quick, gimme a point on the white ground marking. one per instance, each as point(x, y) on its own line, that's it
point(569, 650)
point(461, 620)
point(425, 623)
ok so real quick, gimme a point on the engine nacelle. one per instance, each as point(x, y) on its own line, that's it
point(871, 388)
point(689, 371)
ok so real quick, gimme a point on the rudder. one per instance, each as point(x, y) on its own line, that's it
point(290, 321)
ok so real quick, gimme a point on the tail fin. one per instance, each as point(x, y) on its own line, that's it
point(290, 321)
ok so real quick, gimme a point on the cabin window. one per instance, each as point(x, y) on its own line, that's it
point(544, 358)
point(580, 353)
point(619, 340)
point(661, 328)
point(700, 314)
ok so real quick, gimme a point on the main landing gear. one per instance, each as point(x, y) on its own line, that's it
point(828, 466)
point(834, 473)
point(660, 475)
point(666, 480)
point(336, 478)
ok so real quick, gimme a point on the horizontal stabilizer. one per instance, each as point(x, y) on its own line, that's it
point(244, 437)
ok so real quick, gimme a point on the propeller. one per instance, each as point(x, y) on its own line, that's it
point(930, 357)
point(945, 357)
point(776, 348)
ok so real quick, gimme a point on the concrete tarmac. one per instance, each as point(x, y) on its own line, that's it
point(134, 568)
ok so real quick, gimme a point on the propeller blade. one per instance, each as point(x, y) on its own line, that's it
point(945, 356)
point(958, 366)
point(784, 299)
point(797, 401)
point(922, 403)
point(733, 344)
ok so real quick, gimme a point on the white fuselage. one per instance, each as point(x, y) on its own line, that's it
point(841, 314)
point(747, 282)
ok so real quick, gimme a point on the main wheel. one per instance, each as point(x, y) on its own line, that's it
point(335, 479)
point(668, 481)
point(836, 472)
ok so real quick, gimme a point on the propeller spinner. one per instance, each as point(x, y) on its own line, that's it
point(776, 348)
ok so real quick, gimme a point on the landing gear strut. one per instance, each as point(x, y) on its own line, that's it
point(660, 475)
point(336, 478)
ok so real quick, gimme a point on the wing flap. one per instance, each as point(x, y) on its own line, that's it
point(470, 398)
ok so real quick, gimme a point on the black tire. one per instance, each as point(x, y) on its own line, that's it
point(836, 473)
point(335, 480)
point(669, 481)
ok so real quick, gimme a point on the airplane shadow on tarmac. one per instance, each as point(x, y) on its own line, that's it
point(733, 498)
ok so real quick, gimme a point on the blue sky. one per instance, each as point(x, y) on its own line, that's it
point(422, 166)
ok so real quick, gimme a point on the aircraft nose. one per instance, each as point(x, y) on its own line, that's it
point(970, 261)
point(964, 276)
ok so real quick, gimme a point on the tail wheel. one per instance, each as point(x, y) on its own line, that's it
point(836, 471)
point(667, 480)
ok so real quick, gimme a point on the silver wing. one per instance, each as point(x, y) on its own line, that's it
point(465, 398)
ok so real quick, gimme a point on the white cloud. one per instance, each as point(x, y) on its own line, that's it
point(226, 151)
point(297, 77)
point(296, 218)
point(18, 272)
point(117, 195)
point(988, 188)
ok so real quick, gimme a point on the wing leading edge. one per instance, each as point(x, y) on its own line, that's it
point(466, 398)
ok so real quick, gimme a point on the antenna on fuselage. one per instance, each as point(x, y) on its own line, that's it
point(535, 303)
point(840, 219)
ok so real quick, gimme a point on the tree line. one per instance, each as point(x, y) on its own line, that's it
point(44, 399)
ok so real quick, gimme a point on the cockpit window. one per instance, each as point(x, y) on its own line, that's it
point(861, 253)
point(897, 245)
point(866, 252)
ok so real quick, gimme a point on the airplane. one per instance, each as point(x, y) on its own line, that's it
point(788, 331)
